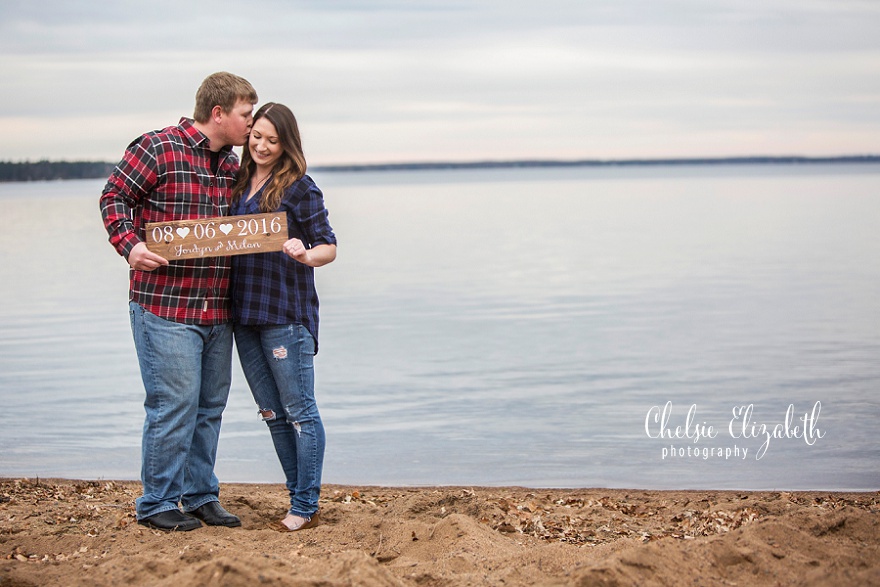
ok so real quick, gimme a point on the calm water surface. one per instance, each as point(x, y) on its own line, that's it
point(504, 327)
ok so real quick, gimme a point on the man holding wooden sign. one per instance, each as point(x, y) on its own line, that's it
point(179, 304)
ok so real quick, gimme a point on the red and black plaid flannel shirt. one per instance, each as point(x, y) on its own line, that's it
point(166, 175)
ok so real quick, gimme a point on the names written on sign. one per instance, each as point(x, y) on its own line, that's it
point(217, 237)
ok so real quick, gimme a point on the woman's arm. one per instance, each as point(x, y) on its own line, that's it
point(317, 256)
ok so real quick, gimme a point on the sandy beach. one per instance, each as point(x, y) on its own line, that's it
point(66, 532)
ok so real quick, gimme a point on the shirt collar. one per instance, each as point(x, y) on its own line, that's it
point(197, 137)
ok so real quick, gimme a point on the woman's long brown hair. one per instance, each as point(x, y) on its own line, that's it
point(290, 167)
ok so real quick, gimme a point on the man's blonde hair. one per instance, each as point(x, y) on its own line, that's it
point(222, 89)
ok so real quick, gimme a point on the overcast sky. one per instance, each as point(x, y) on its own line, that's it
point(413, 80)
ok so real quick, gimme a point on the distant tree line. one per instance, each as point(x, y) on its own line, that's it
point(757, 160)
point(52, 170)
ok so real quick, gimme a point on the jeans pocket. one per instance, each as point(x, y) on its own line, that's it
point(305, 339)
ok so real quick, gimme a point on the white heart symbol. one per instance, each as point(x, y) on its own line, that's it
point(182, 232)
point(225, 228)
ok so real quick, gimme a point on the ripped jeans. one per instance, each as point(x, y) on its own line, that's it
point(278, 364)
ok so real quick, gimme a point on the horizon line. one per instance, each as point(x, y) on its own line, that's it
point(535, 162)
point(506, 163)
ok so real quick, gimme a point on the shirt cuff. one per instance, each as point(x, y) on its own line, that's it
point(127, 243)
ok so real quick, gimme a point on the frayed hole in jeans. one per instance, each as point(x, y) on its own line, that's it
point(279, 353)
point(267, 414)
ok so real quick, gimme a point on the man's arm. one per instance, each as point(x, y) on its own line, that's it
point(130, 183)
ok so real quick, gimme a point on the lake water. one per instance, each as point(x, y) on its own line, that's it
point(497, 327)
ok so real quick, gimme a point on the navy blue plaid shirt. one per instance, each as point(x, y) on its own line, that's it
point(272, 288)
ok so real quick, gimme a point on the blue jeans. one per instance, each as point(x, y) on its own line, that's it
point(187, 370)
point(278, 364)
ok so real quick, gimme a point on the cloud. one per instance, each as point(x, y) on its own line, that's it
point(420, 80)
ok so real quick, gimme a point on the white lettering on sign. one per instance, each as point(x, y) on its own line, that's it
point(187, 239)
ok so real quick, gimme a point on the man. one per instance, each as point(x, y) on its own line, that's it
point(180, 310)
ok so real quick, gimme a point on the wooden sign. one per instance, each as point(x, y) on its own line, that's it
point(217, 237)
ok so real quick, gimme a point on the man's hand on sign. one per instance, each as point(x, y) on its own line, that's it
point(144, 259)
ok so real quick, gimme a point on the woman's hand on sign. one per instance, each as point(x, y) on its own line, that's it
point(295, 249)
point(315, 257)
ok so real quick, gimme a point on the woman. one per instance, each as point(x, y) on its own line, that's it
point(275, 304)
